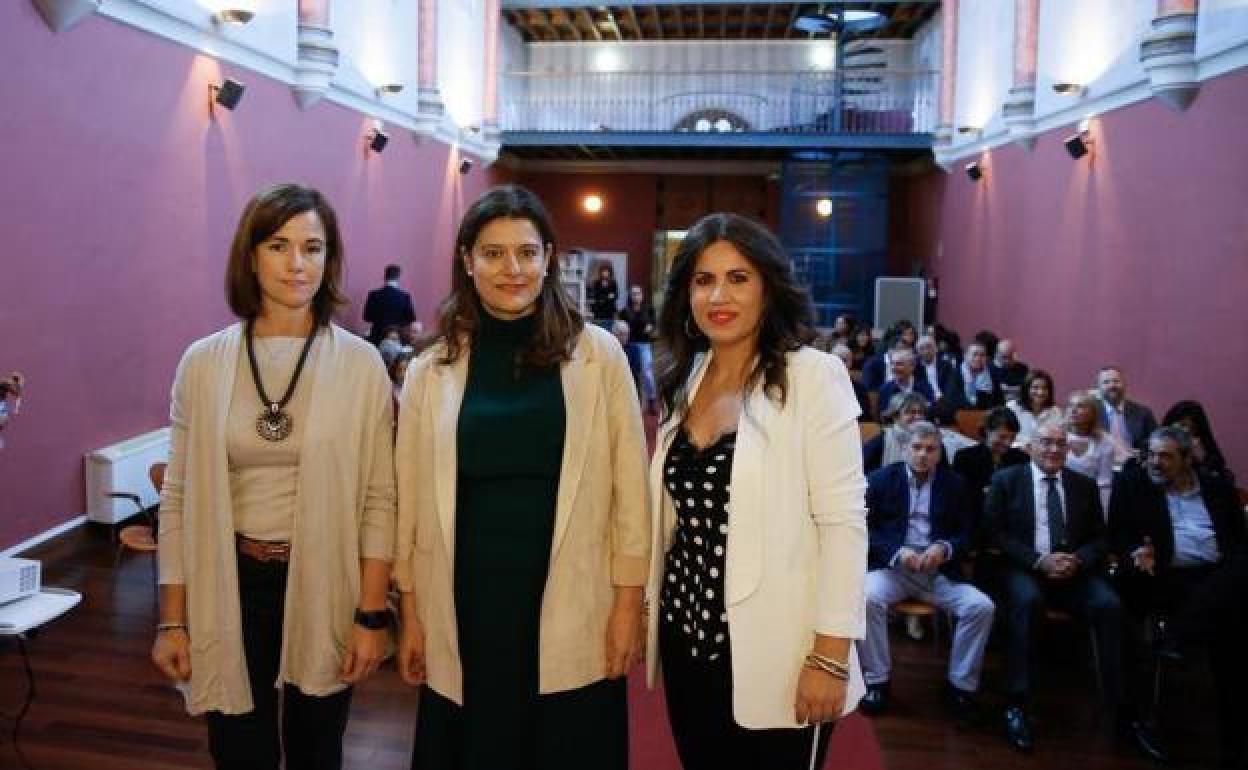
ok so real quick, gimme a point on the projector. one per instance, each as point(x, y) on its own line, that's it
point(19, 578)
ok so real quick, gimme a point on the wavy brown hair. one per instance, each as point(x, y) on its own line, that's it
point(786, 324)
point(265, 214)
point(558, 321)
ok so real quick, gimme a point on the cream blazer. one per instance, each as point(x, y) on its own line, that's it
point(345, 511)
point(602, 513)
point(797, 540)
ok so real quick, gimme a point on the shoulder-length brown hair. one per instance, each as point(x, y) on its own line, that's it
point(265, 214)
point(787, 321)
point(558, 321)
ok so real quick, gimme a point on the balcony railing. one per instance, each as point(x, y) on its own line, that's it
point(874, 102)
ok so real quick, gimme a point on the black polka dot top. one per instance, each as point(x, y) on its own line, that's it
point(692, 600)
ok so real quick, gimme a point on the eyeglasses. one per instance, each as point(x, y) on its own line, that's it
point(1051, 443)
point(525, 255)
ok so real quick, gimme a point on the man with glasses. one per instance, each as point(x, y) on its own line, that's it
point(1048, 525)
point(1183, 556)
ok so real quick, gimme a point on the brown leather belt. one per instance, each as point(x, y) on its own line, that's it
point(263, 550)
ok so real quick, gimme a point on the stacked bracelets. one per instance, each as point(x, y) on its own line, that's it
point(170, 627)
point(832, 666)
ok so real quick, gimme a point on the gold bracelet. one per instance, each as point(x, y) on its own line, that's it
point(162, 627)
point(830, 661)
point(843, 676)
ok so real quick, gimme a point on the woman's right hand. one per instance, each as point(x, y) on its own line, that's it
point(172, 654)
point(411, 654)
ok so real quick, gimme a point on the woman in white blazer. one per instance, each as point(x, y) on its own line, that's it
point(756, 591)
point(277, 514)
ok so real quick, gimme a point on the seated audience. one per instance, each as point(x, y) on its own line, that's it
point(1007, 370)
point(1183, 554)
point(942, 377)
point(948, 343)
point(864, 403)
point(876, 369)
point(862, 346)
point(1047, 522)
point(889, 446)
point(1036, 400)
point(903, 378)
point(976, 463)
point(1206, 456)
point(843, 328)
point(1129, 423)
point(918, 523)
point(979, 389)
point(10, 389)
point(1091, 450)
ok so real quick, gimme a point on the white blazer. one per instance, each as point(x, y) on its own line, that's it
point(797, 541)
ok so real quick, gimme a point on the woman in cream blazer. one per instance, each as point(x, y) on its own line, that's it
point(524, 529)
point(756, 591)
point(277, 530)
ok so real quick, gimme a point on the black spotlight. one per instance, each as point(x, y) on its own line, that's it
point(377, 140)
point(1076, 145)
point(974, 171)
point(228, 94)
point(465, 165)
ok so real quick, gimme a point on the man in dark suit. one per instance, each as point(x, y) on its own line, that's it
point(388, 307)
point(1128, 422)
point(942, 377)
point(1183, 555)
point(902, 377)
point(1048, 525)
point(917, 524)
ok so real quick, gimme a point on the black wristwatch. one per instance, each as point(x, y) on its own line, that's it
point(376, 620)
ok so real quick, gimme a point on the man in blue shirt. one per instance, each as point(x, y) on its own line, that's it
point(1183, 556)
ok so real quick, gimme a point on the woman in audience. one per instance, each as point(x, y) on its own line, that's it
point(1206, 455)
point(889, 445)
point(843, 328)
point(1091, 449)
point(276, 530)
point(524, 528)
point(1035, 402)
point(997, 450)
point(862, 346)
point(757, 473)
point(10, 388)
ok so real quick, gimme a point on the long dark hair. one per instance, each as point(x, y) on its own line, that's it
point(265, 214)
point(787, 321)
point(1024, 393)
point(1201, 429)
point(558, 322)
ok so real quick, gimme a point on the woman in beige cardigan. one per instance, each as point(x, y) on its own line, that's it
point(524, 531)
point(757, 589)
point(276, 530)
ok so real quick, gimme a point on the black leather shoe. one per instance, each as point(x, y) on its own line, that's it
point(962, 706)
point(1018, 729)
point(875, 700)
point(1145, 740)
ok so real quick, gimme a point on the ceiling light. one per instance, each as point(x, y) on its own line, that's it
point(1070, 89)
point(592, 203)
point(235, 16)
point(974, 172)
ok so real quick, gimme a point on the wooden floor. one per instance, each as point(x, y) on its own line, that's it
point(101, 705)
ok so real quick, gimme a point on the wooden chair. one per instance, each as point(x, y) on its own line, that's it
point(915, 608)
point(141, 537)
point(969, 421)
point(868, 430)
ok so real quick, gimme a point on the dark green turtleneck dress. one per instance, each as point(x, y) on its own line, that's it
point(510, 448)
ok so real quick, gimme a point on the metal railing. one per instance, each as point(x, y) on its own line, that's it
point(873, 101)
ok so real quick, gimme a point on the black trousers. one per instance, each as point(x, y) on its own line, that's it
point(1088, 596)
point(311, 728)
point(699, 708)
point(1205, 606)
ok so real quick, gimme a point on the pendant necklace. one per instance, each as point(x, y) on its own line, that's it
point(275, 423)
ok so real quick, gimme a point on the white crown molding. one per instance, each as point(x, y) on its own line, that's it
point(196, 31)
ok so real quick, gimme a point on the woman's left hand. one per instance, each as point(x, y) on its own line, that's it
point(624, 639)
point(365, 652)
point(820, 697)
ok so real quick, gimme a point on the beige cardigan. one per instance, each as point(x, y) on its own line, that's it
point(796, 559)
point(345, 511)
point(602, 514)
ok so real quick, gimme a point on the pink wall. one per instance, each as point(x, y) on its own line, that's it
point(1136, 254)
point(119, 197)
